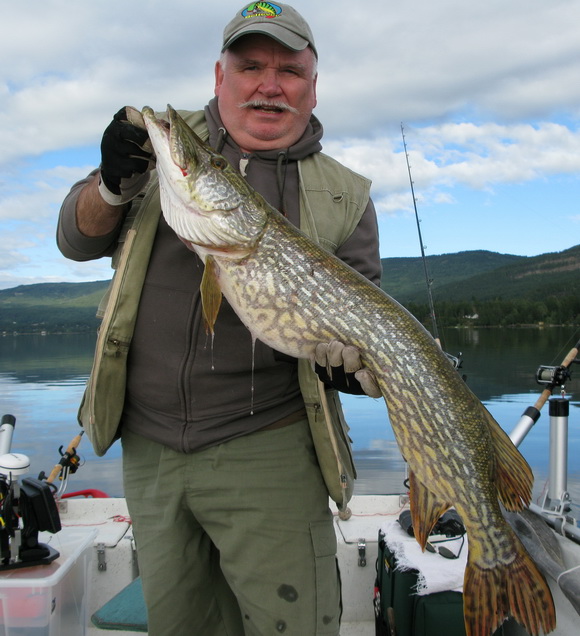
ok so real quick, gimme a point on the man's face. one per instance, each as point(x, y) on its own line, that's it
point(261, 77)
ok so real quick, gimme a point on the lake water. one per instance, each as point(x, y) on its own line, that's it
point(42, 380)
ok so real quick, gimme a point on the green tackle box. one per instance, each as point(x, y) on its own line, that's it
point(399, 610)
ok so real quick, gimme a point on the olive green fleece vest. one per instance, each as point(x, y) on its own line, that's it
point(339, 197)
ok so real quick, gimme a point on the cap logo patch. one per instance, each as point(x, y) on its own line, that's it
point(262, 10)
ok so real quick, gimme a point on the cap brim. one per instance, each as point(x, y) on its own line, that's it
point(286, 38)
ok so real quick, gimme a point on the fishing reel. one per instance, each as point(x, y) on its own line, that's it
point(553, 376)
point(27, 507)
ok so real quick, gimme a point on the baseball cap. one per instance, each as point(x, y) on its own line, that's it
point(278, 21)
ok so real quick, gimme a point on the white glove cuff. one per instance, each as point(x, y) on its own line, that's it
point(130, 188)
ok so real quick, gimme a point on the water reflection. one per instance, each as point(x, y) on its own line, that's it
point(42, 380)
point(46, 359)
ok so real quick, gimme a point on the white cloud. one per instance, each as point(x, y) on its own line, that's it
point(73, 65)
point(488, 92)
point(477, 156)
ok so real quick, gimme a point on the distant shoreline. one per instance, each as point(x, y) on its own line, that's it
point(87, 332)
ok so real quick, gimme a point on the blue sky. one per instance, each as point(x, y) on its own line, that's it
point(489, 95)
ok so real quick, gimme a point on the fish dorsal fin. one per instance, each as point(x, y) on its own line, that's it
point(513, 475)
point(426, 509)
point(211, 294)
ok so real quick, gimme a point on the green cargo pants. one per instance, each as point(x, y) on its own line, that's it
point(236, 539)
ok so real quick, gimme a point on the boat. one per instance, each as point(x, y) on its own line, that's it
point(83, 579)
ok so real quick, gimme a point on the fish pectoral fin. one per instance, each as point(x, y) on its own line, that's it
point(513, 475)
point(211, 294)
point(426, 509)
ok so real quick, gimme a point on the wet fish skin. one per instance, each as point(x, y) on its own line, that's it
point(292, 294)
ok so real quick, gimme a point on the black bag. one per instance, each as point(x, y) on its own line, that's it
point(449, 524)
point(399, 610)
point(394, 594)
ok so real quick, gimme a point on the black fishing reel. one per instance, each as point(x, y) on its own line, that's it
point(553, 376)
point(27, 507)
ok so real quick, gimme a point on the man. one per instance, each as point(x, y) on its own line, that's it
point(227, 458)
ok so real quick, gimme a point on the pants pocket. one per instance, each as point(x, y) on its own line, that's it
point(328, 592)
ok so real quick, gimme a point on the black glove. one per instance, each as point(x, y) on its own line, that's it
point(126, 157)
point(338, 379)
point(340, 366)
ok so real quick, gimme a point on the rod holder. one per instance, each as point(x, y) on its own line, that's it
point(559, 409)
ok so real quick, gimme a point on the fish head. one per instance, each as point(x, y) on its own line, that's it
point(204, 199)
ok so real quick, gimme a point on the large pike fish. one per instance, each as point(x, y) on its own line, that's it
point(292, 295)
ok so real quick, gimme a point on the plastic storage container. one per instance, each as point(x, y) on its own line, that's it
point(50, 600)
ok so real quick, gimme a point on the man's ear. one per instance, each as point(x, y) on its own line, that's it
point(219, 77)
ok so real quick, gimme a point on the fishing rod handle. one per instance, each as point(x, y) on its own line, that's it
point(572, 354)
point(568, 360)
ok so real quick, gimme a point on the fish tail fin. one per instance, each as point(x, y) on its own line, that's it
point(513, 475)
point(517, 589)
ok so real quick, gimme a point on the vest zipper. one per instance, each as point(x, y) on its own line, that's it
point(109, 313)
point(323, 407)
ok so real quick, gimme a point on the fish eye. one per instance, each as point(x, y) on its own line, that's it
point(219, 162)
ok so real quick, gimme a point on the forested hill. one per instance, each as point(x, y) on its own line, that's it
point(474, 287)
point(486, 288)
point(483, 275)
point(404, 278)
point(51, 307)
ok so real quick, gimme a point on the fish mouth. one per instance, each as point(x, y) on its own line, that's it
point(156, 125)
point(162, 125)
point(170, 128)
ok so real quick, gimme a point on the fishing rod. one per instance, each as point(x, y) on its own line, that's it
point(550, 377)
point(455, 360)
point(68, 464)
point(428, 279)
